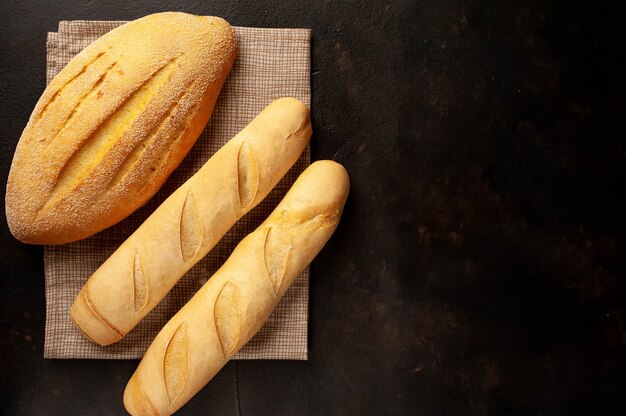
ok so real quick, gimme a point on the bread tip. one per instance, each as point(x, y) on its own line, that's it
point(292, 109)
point(22, 233)
point(135, 400)
point(220, 21)
point(84, 317)
point(335, 169)
point(221, 24)
point(15, 226)
point(292, 102)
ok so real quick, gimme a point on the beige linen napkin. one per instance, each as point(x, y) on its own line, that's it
point(271, 63)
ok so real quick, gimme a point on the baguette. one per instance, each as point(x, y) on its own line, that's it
point(113, 125)
point(233, 305)
point(191, 221)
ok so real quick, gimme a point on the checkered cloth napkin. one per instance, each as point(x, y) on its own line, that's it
point(271, 63)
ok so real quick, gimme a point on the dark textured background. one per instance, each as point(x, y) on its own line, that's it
point(480, 265)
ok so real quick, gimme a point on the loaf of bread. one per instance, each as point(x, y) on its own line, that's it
point(233, 305)
point(113, 125)
point(191, 221)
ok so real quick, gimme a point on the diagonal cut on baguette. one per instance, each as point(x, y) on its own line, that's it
point(235, 302)
point(114, 123)
point(188, 224)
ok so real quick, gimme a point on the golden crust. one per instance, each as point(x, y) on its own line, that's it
point(114, 124)
point(242, 294)
point(191, 221)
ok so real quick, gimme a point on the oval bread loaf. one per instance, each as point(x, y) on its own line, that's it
point(113, 125)
point(191, 221)
point(233, 305)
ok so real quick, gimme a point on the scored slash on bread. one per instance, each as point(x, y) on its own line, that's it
point(240, 296)
point(190, 229)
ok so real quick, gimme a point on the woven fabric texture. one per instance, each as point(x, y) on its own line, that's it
point(271, 63)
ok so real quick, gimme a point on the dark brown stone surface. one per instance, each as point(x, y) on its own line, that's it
point(480, 267)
